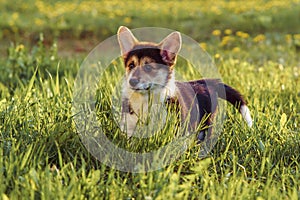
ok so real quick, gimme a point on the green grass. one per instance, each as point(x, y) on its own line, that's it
point(42, 156)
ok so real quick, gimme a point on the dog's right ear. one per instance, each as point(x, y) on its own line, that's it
point(126, 40)
point(170, 46)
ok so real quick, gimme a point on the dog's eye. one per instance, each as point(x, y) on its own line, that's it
point(147, 68)
point(131, 66)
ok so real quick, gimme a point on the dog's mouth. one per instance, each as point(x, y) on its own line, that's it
point(145, 87)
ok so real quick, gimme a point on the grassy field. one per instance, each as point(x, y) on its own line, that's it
point(254, 44)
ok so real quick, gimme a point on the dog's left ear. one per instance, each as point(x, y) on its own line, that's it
point(126, 40)
point(170, 46)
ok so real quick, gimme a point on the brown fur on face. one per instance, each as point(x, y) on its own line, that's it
point(147, 68)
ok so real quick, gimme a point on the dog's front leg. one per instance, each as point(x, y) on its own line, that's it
point(129, 118)
point(128, 123)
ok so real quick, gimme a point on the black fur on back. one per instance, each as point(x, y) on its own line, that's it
point(207, 91)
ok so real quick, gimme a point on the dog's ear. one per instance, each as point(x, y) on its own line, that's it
point(170, 46)
point(126, 40)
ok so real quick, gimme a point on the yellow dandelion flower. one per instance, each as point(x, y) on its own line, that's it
point(239, 33)
point(259, 38)
point(216, 10)
point(297, 36)
point(226, 40)
point(15, 16)
point(236, 49)
point(127, 20)
point(242, 34)
point(19, 48)
point(228, 31)
point(203, 45)
point(245, 35)
point(288, 38)
point(217, 56)
point(216, 32)
point(39, 22)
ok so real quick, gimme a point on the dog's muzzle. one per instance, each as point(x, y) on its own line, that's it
point(141, 86)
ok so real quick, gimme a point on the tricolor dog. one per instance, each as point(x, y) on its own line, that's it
point(150, 71)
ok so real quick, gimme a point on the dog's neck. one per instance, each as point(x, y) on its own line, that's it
point(170, 89)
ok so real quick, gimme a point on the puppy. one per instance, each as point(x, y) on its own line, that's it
point(150, 75)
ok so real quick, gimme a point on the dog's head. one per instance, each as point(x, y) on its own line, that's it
point(148, 65)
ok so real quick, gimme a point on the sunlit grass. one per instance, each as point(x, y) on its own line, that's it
point(42, 156)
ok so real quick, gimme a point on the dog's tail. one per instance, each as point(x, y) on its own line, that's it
point(236, 99)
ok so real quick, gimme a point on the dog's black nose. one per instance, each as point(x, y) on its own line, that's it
point(133, 82)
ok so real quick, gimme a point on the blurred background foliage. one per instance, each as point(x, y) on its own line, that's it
point(102, 18)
